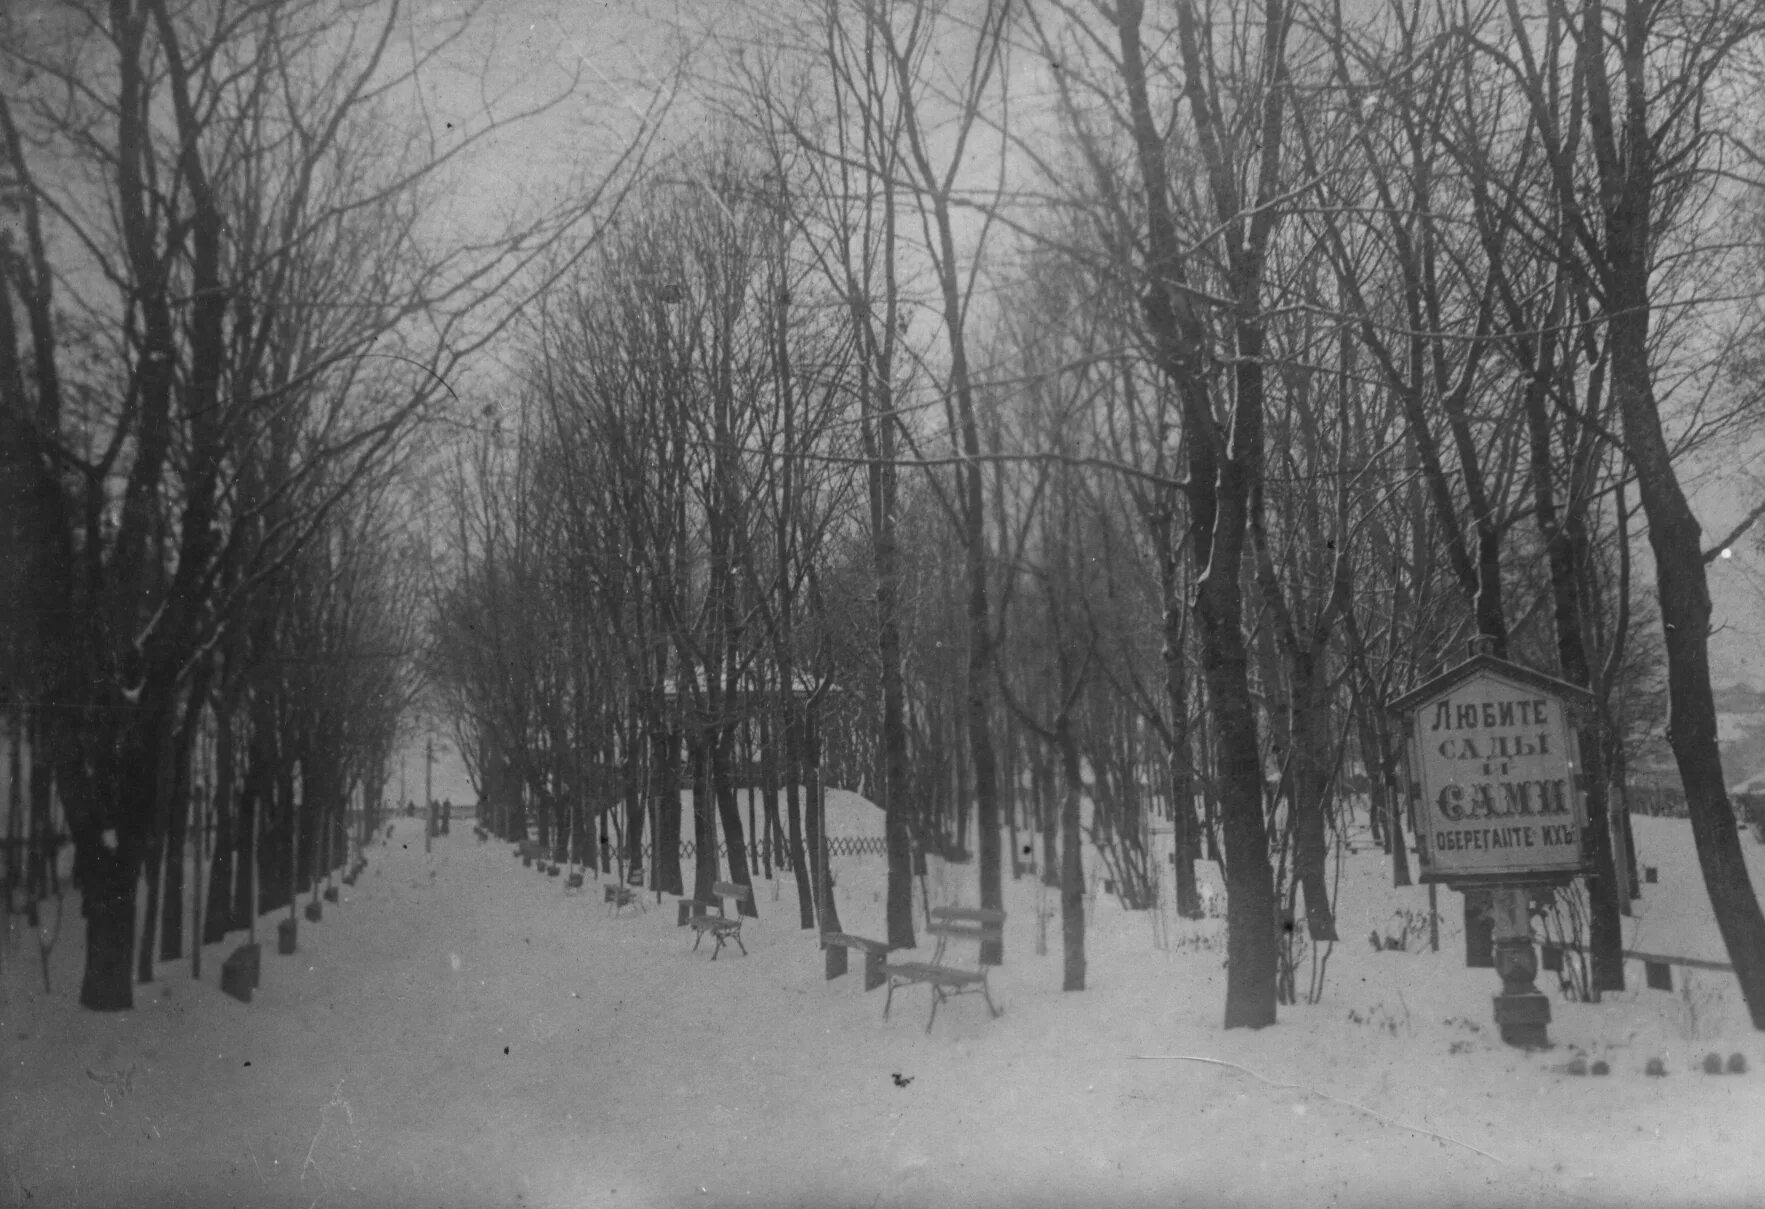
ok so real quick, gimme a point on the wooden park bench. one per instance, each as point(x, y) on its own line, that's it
point(696, 913)
point(620, 897)
point(1657, 968)
point(946, 979)
point(876, 952)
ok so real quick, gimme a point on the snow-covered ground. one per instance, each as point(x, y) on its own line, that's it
point(461, 1032)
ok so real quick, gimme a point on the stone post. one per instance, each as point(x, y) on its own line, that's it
point(1521, 1011)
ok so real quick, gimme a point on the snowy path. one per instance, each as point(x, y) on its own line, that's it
point(461, 1033)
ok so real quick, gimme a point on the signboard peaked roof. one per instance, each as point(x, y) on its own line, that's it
point(1487, 664)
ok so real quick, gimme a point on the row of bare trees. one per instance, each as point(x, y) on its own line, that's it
point(1122, 405)
point(233, 291)
point(1064, 416)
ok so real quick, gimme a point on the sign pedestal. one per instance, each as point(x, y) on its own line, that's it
point(1521, 1011)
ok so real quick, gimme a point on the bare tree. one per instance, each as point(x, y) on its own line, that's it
point(240, 250)
point(1615, 98)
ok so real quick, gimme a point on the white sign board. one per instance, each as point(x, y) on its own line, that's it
point(1495, 761)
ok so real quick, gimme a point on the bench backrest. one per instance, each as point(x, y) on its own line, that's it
point(847, 941)
point(719, 891)
point(963, 920)
point(965, 923)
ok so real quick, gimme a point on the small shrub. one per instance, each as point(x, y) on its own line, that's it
point(1656, 1069)
point(1200, 942)
point(1382, 1018)
point(1575, 1066)
point(1712, 1064)
point(1600, 1068)
point(1737, 1063)
point(1406, 926)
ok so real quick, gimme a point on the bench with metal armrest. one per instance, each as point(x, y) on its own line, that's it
point(945, 978)
point(721, 927)
point(619, 897)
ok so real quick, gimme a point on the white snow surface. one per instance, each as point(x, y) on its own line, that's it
point(459, 1031)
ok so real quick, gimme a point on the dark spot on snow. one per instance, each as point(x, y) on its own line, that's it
point(505, 1049)
point(900, 1079)
point(248, 1062)
point(1286, 925)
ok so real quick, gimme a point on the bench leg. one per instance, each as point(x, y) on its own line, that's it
point(718, 948)
point(888, 999)
point(988, 996)
point(937, 998)
point(697, 937)
point(740, 945)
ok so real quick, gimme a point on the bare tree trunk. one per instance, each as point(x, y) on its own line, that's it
point(110, 866)
point(1626, 147)
point(634, 803)
point(1008, 798)
point(1047, 816)
point(768, 756)
point(1176, 691)
point(1312, 779)
point(667, 862)
point(40, 872)
point(795, 760)
point(248, 836)
point(217, 915)
point(171, 923)
point(107, 884)
point(1222, 478)
point(970, 511)
point(1676, 538)
point(1072, 868)
point(159, 851)
point(152, 869)
point(730, 814)
point(826, 910)
point(704, 815)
